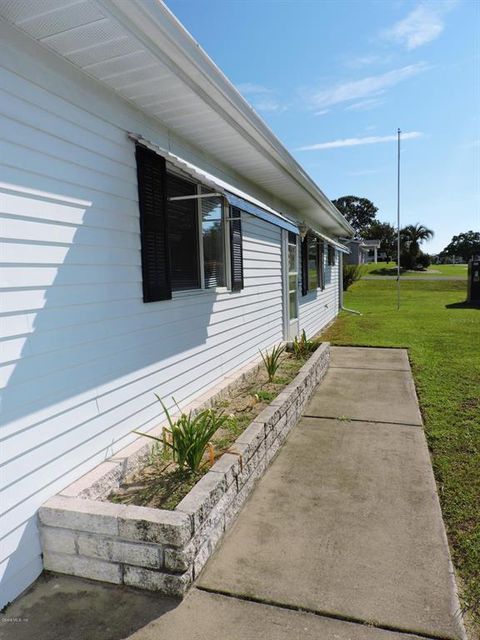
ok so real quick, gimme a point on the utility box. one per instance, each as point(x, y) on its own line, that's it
point(473, 294)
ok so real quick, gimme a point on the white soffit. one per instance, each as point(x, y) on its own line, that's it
point(139, 49)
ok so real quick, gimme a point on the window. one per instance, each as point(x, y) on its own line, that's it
point(313, 272)
point(292, 276)
point(312, 263)
point(213, 237)
point(184, 240)
point(321, 264)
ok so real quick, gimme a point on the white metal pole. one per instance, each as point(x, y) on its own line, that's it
point(398, 220)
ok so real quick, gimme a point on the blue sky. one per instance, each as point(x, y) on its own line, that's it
point(334, 80)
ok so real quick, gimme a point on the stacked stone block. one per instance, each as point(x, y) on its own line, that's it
point(164, 550)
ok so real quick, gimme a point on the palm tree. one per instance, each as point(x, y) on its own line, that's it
point(412, 237)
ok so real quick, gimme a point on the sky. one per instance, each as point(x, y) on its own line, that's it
point(334, 79)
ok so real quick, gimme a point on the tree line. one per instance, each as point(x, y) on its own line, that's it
point(361, 213)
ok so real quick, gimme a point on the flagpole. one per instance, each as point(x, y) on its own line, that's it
point(398, 219)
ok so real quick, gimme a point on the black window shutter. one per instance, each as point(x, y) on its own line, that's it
point(236, 255)
point(304, 257)
point(152, 199)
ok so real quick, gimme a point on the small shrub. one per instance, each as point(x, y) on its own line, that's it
point(302, 346)
point(272, 360)
point(352, 273)
point(407, 261)
point(423, 261)
point(190, 435)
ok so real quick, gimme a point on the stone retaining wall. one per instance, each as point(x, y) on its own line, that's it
point(165, 550)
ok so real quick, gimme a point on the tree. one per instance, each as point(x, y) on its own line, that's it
point(360, 212)
point(387, 235)
point(412, 237)
point(466, 245)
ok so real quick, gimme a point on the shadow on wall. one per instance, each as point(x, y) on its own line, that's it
point(82, 354)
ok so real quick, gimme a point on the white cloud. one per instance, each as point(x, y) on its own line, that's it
point(364, 88)
point(322, 112)
point(248, 88)
point(353, 142)
point(261, 98)
point(269, 104)
point(365, 61)
point(422, 25)
point(365, 105)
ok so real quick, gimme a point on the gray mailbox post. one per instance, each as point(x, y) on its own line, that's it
point(474, 280)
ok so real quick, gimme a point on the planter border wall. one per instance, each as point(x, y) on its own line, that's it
point(164, 550)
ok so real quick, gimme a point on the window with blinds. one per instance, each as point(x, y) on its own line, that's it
point(183, 235)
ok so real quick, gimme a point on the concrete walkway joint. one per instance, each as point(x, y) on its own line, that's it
point(342, 538)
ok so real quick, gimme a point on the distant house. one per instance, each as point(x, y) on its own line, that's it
point(157, 235)
point(362, 251)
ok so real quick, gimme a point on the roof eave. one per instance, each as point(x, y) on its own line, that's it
point(146, 17)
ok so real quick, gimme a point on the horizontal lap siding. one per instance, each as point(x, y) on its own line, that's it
point(81, 355)
point(318, 308)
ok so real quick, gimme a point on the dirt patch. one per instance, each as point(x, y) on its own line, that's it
point(470, 404)
point(161, 484)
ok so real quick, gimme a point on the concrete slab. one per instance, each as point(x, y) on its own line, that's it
point(369, 358)
point(62, 607)
point(75, 609)
point(346, 522)
point(206, 616)
point(379, 396)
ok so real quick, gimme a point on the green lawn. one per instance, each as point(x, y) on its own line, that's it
point(440, 270)
point(443, 338)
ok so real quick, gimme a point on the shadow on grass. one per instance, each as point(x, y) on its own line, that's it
point(384, 272)
point(463, 305)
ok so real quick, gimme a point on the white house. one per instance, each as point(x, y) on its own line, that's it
point(362, 251)
point(153, 241)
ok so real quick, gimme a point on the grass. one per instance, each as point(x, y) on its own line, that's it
point(443, 338)
point(437, 270)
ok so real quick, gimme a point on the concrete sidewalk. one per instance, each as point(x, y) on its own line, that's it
point(342, 538)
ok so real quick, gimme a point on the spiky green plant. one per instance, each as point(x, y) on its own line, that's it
point(302, 346)
point(272, 360)
point(190, 435)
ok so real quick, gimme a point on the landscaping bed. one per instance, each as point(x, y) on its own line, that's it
point(85, 534)
point(162, 484)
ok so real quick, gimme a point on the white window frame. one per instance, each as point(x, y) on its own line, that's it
point(226, 240)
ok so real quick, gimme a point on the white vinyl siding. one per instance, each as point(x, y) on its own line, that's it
point(80, 354)
point(318, 307)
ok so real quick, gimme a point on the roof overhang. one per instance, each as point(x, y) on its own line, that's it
point(234, 196)
point(141, 51)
